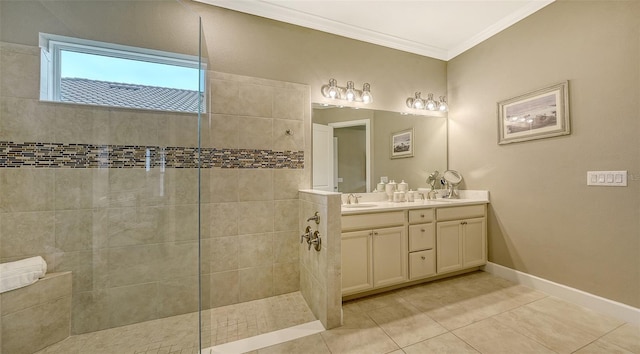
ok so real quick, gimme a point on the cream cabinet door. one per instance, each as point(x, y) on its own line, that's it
point(389, 256)
point(474, 250)
point(448, 246)
point(357, 269)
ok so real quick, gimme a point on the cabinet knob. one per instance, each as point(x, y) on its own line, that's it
point(423, 257)
point(375, 232)
point(422, 230)
point(422, 215)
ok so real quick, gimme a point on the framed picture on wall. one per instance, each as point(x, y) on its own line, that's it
point(402, 144)
point(539, 114)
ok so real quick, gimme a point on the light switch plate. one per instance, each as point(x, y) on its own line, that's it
point(607, 178)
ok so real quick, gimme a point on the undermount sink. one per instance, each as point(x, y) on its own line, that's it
point(359, 205)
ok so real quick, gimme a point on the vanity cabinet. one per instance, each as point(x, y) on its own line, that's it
point(461, 238)
point(389, 248)
point(422, 243)
point(374, 254)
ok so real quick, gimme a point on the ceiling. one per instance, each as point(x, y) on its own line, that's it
point(440, 29)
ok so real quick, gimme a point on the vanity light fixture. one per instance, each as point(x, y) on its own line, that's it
point(429, 104)
point(349, 93)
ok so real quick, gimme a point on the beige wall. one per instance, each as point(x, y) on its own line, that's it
point(544, 220)
point(254, 46)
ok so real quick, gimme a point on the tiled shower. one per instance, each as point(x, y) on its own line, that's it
point(127, 202)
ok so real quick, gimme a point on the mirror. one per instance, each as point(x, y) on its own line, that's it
point(453, 179)
point(362, 148)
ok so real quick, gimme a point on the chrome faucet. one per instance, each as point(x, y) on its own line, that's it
point(355, 197)
point(315, 217)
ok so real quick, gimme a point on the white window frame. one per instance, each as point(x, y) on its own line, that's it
point(51, 46)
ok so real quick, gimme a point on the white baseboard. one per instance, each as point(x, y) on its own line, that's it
point(596, 303)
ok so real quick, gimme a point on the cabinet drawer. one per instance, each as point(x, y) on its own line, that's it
point(420, 216)
point(461, 212)
point(422, 264)
point(372, 221)
point(422, 237)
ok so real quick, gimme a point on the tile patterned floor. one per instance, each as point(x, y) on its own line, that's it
point(473, 313)
point(179, 334)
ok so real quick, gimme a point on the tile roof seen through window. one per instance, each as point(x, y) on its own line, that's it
point(127, 95)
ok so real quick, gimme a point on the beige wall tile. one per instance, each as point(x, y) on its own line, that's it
point(179, 186)
point(136, 226)
point(90, 311)
point(286, 215)
point(178, 260)
point(255, 133)
point(74, 230)
point(223, 219)
point(87, 269)
point(27, 234)
point(23, 79)
point(131, 304)
point(288, 142)
point(288, 182)
point(182, 130)
point(224, 96)
point(290, 103)
point(26, 189)
point(286, 277)
point(55, 322)
point(134, 127)
point(221, 130)
point(255, 283)
point(134, 264)
point(255, 100)
point(177, 296)
point(255, 217)
point(285, 246)
point(255, 250)
point(182, 222)
point(255, 184)
point(224, 288)
point(73, 188)
point(221, 254)
point(77, 124)
point(134, 187)
point(26, 120)
point(224, 185)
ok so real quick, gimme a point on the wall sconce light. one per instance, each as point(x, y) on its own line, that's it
point(429, 104)
point(349, 93)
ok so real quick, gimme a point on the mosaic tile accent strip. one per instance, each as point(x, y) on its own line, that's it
point(60, 155)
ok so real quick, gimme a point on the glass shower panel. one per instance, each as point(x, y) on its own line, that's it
point(109, 194)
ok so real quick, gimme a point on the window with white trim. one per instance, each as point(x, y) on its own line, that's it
point(90, 72)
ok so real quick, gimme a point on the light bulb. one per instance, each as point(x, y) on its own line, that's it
point(333, 89)
point(418, 102)
point(443, 107)
point(431, 104)
point(366, 93)
point(350, 93)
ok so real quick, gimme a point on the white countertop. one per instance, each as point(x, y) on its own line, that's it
point(376, 202)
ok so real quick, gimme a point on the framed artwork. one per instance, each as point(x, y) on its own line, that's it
point(539, 114)
point(402, 144)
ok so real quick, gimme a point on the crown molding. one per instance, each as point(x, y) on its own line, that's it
point(275, 12)
point(497, 27)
